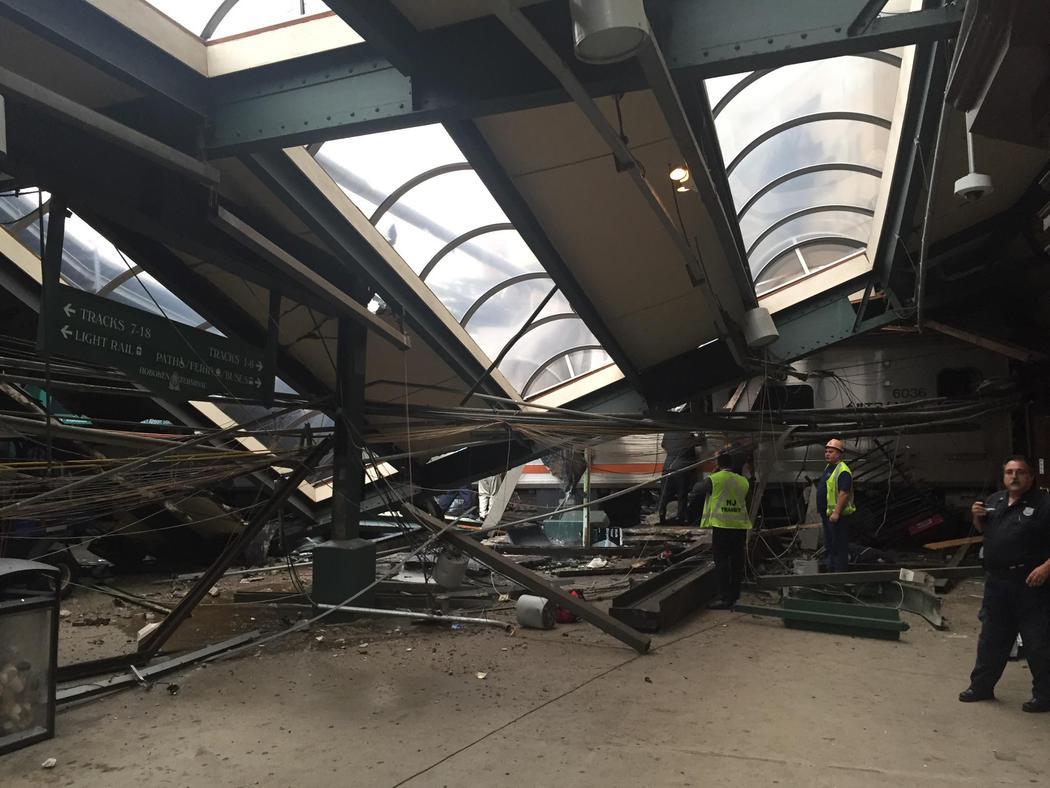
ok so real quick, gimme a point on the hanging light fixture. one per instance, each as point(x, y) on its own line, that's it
point(608, 31)
point(679, 174)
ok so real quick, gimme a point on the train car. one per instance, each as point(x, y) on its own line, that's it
point(868, 372)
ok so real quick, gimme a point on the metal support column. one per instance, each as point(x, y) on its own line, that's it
point(348, 479)
point(346, 564)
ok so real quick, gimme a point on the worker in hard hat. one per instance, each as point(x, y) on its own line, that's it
point(835, 504)
point(725, 513)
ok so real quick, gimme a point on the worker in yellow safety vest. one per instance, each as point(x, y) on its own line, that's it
point(725, 513)
point(835, 504)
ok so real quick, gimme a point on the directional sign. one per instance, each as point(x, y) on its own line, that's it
point(173, 360)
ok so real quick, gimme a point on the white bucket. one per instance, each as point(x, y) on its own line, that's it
point(535, 612)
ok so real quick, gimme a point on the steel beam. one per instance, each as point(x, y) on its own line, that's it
point(338, 301)
point(708, 38)
point(474, 68)
point(318, 99)
point(89, 33)
point(918, 127)
point(873, 576)
point(665, 599)
point(291, 185)
point(18, 89)
point(823, 321)
point(383, 26)
point(871, 621)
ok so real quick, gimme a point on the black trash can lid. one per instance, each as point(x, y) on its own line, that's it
point(12, 568)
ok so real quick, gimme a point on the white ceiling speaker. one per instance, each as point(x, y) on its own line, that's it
point(974, 185)
point(608, 31)
point(759, 328)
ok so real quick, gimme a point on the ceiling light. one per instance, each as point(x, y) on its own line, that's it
point(608, 31)
point(679, 174)
point(682, 188)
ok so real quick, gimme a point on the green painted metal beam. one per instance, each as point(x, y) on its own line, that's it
point(475, 68)
point(707, 38)
point(824, 321)
point(873, 621)
point(311, 101)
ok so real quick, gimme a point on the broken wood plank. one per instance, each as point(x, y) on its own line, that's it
point(949, 543)
point(530, 580)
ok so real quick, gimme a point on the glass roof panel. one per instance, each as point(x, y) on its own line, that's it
point(432, 198)
point(244, 16)
point(368, 168)
point(446, 219)
point(846, 84)
point(536, 347)
point(466, 273)
point(781, 131)
point(248, 15)
point(797, 263)
point(815, 225)
point(717, 87)
point(191, 14)
point(826, 142)
point(564, 368)
point(558, 305)
point(833, 187)
point(498, 319)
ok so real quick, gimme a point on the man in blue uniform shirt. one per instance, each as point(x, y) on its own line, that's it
point(1016, 526)
point(835, 504)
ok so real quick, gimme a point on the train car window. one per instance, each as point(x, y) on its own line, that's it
point(776, 396)
point(958, 381)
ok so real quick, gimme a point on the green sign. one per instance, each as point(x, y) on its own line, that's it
point(175, 361)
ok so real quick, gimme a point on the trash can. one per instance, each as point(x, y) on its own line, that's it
point(28, 652)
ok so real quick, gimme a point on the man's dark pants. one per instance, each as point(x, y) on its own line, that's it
point(1010, 607)
point(836, 543)
point(728, 545)
point(676, 488)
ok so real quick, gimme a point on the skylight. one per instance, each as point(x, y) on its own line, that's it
point(422, 195)
point(806, 147)
point(213, 19)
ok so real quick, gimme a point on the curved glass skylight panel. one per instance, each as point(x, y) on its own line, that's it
point(468, 271)
point(370, 167)
point(249, 15)
point(856, 226)
point(801, 261)
point(825, 142)
point(565, 366)
point(191, 14)
point(452, 203)
point(497, 320)
point(558, 305)
point(210, 19)
point(844, 84)
point(834, 187)
point(717, 87)
point(434, 210)
point(806, 146)
point(536, 347)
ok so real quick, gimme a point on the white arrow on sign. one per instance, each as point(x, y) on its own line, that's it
point(66, 332)
point(70, 310)
point(258, 366)
point(258, 383)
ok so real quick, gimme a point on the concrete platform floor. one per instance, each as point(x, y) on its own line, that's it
point(724, 699)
